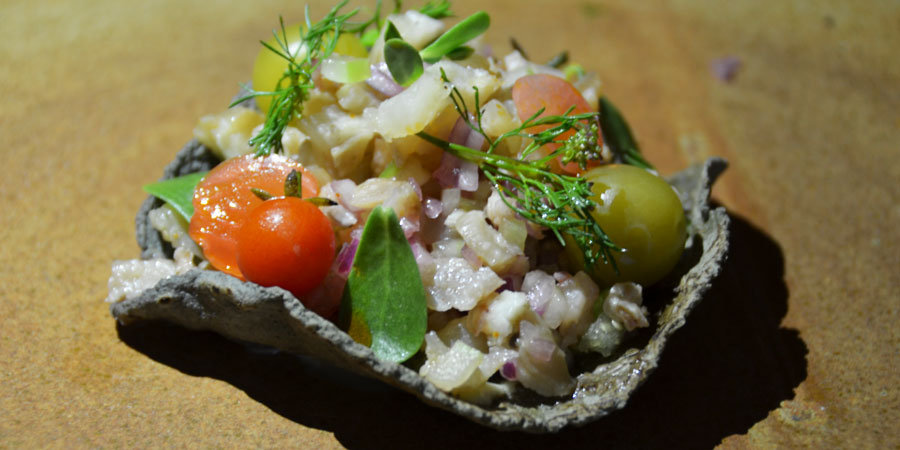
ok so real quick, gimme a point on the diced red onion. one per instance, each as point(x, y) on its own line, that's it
point(463, 134)
point(447, 174)
point(382, 81)
point(474, 140)
point(539, 288)
point(423, 257)
point(511, 283)
point(344, 260)
point(561, 276)
point(454, 172)
point(415, 185)
point(541, 350)
point(410, 225)
point(508, 370)
point(460, 132)
point(433, 208)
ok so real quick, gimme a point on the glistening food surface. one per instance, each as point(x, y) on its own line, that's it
point(466, 218)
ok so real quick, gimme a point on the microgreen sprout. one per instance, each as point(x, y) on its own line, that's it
point(406, 63)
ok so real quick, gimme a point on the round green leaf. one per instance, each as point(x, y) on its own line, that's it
point(403, 61)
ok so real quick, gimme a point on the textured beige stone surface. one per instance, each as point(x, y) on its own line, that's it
point(797, 344)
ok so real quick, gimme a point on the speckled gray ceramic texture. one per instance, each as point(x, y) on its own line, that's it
point(209, 300)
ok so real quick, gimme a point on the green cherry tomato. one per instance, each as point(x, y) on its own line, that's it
point(269, 67)
point(642, 214)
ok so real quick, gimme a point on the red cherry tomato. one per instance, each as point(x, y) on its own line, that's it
point(224, 198)
point(286, 242)
point(556, 95)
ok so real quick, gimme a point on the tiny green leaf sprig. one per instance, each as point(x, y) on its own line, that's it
point(406, 64)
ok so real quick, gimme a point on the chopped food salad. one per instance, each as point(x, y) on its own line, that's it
point(482, 218)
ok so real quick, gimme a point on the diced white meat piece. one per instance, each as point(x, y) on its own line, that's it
point(580, 293)
point(452, 368)
point(541, 365)
point(496, 209)
point(623, 305)
point(499, 317)
point(488, 243)
point(396, 194)
point(455, 330)
point(412, 110)
point(457, 285)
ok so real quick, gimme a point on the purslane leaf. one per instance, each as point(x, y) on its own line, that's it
point(384, 304)
point(177, 192)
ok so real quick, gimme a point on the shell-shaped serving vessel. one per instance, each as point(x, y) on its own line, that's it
point(215, 301)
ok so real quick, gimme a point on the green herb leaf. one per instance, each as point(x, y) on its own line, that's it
point(177, 192)
point(617, 135)
point(389, 172)
point(466, 30)
point(403, 61)
point(461, 53)
point(384, 304)
point(437, 10)
point(558, 60)
point(369, 37)
point(391, 32)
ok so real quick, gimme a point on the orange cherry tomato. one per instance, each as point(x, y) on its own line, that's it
point(286, 242)
point(223, 199)
point(556, 95)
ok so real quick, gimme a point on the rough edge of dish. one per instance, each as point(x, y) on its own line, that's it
point(215, 301)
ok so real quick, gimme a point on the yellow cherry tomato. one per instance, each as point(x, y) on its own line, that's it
point(642, 214)
point(269, 67)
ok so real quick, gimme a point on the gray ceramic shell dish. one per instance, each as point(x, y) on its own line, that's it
point(210, 300)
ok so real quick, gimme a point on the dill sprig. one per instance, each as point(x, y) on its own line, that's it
point(317, 42)
point(561, 203)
